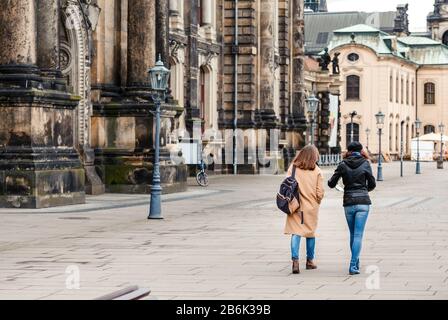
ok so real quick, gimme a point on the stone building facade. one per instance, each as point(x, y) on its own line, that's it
point(238, 73)
point(77, 112)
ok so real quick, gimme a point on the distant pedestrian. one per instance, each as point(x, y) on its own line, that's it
point(356, 173)
point(302, 222)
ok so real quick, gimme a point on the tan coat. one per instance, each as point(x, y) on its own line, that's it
point(311, 195)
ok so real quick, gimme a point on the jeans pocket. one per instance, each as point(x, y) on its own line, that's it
point(363, 208)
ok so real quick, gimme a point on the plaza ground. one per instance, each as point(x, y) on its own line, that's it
point(227, 242)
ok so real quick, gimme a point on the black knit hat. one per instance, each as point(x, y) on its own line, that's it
point(355, 147)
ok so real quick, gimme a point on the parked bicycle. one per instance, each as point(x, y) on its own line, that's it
point(202, 177)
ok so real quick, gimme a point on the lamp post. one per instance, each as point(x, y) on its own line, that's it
point(313, 103)
point(368, 131)
point(402, 149)
point(158, 76)
point(352, 115)
point(418, 125)
point(380, 124)
point(442, 129)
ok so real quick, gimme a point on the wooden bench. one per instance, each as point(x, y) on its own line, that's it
point(129, 293)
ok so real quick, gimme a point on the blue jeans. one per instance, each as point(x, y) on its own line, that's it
point(295, 247)
point(356, 219)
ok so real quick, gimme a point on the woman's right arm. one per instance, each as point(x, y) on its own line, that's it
point(371, 182)
point(335, 178)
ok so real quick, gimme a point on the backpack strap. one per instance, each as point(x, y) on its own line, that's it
point(293, 175)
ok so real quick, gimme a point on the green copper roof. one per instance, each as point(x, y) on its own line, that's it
point(418, 50)
point(418, 41)
point(360, 28)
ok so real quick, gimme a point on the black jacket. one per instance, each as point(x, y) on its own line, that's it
point(358, 179)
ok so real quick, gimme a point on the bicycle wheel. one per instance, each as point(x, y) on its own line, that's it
point(202, 179)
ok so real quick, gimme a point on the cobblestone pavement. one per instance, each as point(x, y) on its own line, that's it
point(226, 242)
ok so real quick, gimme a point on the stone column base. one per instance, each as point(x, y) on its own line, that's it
point(129, 174)
point(42, 188)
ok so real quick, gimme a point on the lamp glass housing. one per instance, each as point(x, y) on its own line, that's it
point(380, 119)
point(159, 76)
point(312, 102)
point(418, 125)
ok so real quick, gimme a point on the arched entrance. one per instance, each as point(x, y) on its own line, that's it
point(445, 38)
point(75, 60)
point(75, 65)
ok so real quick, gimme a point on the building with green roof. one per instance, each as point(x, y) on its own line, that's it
point(402, 76)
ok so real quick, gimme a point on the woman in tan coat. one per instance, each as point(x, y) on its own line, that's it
point(303, 221)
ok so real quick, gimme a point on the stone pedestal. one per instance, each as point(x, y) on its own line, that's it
point(123, 136)
point(123, 126)
point(39, 166)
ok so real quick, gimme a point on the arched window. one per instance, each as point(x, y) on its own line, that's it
point(391, 88)
point(402, 91)
point(397, 137)
point(349, 133)
point(407, 92)
point(353, 86)
point(430, 93)
point(397, 88)
point(391, 127)
point(429, 129)
point(445, 38)
point(202, 101)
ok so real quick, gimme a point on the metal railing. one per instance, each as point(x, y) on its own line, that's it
point(330, 160)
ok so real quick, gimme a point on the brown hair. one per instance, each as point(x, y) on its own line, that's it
point(364, 154)
point(307, 158)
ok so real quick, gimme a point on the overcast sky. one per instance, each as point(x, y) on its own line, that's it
point(418, 9)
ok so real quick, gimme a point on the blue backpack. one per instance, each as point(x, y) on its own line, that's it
point(288, 190)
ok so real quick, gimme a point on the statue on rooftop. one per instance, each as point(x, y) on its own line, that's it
point(324, 60)
point(335, 63)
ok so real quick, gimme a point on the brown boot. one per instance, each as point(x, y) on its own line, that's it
point(310, 265)
point(295, 267)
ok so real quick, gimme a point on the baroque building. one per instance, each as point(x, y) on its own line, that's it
point(438, 21)
point(401, 76)
point(77, 112)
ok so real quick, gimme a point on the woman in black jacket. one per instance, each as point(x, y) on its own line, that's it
point(356, 173)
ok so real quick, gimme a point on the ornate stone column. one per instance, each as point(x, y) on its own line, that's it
point(174, 7)
point(18, 32)
point(48, 34)
point(39, 165)
point(298, 119)
point(162, 30)
point(266, 116)
point(207, 12)
point(124, 136)
point(323, 126)
point(141, 41)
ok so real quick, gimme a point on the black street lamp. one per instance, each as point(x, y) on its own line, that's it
point(352, 115)
point(368, 131)
point(418, 125)
point(313, 104)
point(380, 124)
point(158, 76)
point(442, 129)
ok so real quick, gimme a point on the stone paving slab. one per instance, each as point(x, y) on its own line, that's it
point(226, 242)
